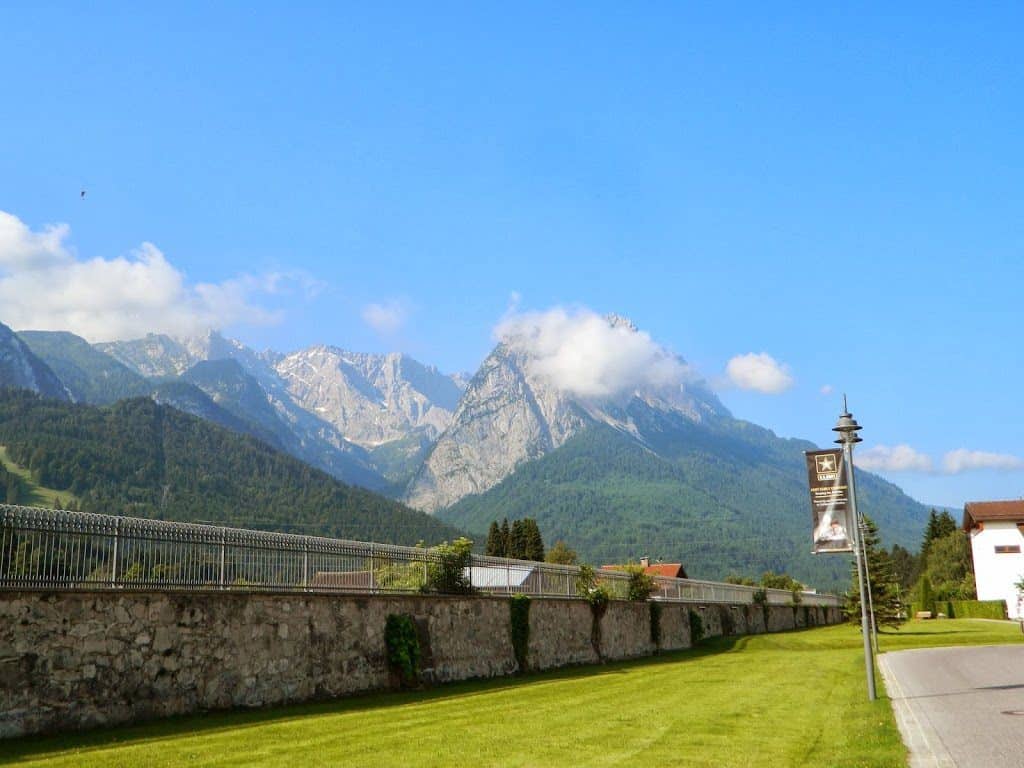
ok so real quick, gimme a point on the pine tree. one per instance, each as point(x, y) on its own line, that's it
point(534, 541)
point(939, 527)
point(495, 544)
point(881, 581)
point(945, 525)
point(906, 566)
point(506, 539)
point(517, 541)
point(930, 534)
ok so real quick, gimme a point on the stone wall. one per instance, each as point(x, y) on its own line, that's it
point(79, 660)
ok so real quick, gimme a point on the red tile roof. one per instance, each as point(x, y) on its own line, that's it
point(672, 570)
point(980, 511)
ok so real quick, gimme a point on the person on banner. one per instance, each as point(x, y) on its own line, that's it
point(831, 531)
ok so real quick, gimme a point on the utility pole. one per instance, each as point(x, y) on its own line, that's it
point(847, 427)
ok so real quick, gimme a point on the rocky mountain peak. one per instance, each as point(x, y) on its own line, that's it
point(371, 399)
point(542, 384)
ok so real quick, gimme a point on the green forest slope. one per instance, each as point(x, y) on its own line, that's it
point(722, 498)
point(138, 458)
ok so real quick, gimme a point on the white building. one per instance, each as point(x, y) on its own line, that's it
point(996, 529)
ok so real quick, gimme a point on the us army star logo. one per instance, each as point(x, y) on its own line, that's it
point(826, 463)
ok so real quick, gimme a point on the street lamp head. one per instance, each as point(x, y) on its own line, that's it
point(847, 427)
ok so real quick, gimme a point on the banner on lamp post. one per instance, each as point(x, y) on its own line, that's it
point(830, 501)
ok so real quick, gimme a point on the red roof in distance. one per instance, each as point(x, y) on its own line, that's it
point(672, 570)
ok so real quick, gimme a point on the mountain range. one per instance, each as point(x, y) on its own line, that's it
point(657, 467)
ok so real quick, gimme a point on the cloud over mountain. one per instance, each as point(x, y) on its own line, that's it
point(759, 372)
point(592, 356)
point(44, 285)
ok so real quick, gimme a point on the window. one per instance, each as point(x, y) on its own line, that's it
point(1007, 549)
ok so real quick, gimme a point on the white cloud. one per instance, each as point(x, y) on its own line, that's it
point(963, 460)
point(45, 286)
point(897, 458)
point(826, 389)
point(589, 355)
point(387, 317)
point(759, 372)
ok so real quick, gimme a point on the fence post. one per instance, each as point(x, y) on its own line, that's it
point(373, 571)
point(305, 566)
point(117, 541)
point(223, 546)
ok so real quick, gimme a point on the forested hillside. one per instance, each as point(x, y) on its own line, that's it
point(90, 375)
point(726, 498)
point(139, 458)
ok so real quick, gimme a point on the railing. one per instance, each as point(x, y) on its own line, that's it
point(61, 550)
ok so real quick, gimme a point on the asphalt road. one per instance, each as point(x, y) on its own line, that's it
point(959, 707)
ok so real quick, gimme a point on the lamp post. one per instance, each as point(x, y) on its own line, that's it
point(847, 427)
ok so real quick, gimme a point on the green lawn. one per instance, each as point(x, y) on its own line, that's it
point(788, 699)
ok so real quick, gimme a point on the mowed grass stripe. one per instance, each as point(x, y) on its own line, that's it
point(792, 699)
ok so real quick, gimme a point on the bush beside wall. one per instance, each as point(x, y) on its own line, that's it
point(519, 628)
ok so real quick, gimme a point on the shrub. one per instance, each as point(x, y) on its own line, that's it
point(586, 580)
point(449, 574)
point(598, 596)
point(655, 608)
point(641, 584)
point(760, 596)
point(519, 623)
point(403, 646)
point(696, 628)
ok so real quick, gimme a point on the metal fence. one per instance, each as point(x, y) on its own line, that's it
point(61, 550)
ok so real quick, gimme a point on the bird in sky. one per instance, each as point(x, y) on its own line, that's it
point(83, 195)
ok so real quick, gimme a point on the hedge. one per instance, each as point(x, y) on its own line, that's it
point(964, 609)
point(978, 609)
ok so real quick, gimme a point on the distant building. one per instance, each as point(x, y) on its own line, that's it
point(505, 578)
point(996, 529)
point(671, 570)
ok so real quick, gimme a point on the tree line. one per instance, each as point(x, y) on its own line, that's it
point(142, 459)
point(521, 540)
point(942, 570)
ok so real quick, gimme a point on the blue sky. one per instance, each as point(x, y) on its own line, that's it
point(838, 190)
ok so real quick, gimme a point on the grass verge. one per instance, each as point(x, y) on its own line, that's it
point(790, 699)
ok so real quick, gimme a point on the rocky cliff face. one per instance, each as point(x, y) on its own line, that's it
point(20, 368)
point(512, 413)
point(361, 417)
point(506, 416)
point(370, 399)
point(158, 355)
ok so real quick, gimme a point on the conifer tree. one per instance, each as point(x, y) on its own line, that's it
point(495, 544)
point(534, 540)
point(517, 540)
point(506, 539)
point(881, 581)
